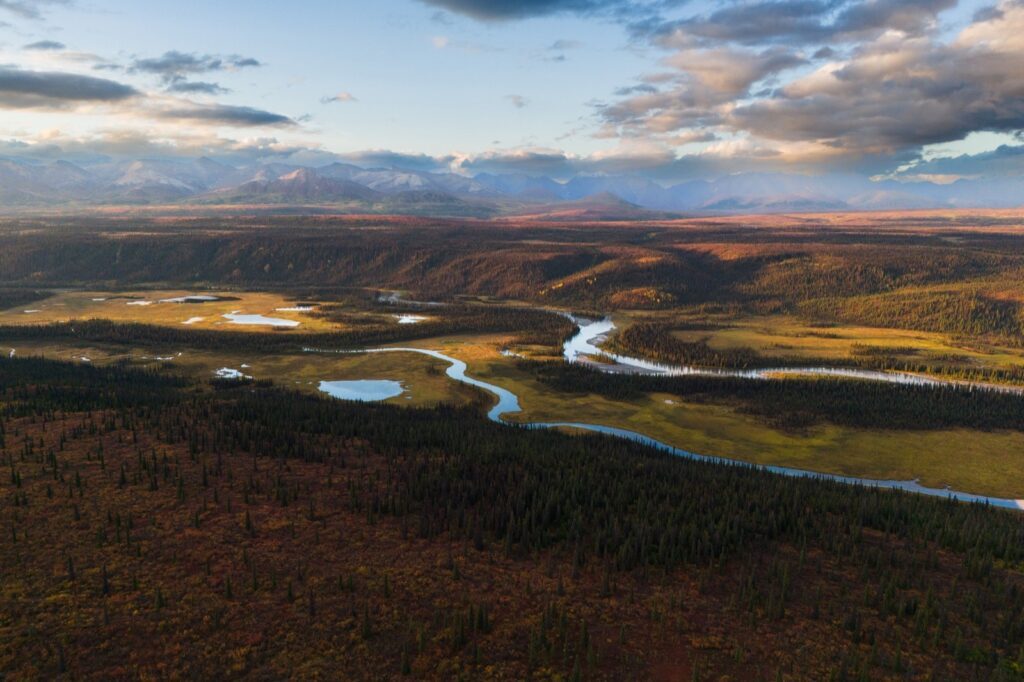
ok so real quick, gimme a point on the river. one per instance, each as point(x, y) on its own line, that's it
point(582, 344)
point(591, 332)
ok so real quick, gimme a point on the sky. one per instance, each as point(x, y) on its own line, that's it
point(666, 89)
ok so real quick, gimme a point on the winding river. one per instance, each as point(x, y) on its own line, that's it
point(582, 345)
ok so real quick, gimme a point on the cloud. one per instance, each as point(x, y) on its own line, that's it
point(174, 68)
point(174, 65)
point(897, 85)
point(749, 24)
point(223, 115)
point(539, 161)
point(45, 45)
point(342, 97)
point(52, 89)
point(125, 143)
point(562, 45)
point(28, 9)
point(444, 42)
point(22, 89)
point(910, 17)
point(196, 88)
point(442, 18)
point(1005, 160)
point(518, 101)
point(706, 84)
point(797, 22)
point(641, 88)
point(383, 158)
point(503, 10)
point(894, 94)
point(630, 157)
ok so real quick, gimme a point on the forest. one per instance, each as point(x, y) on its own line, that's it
point(655, 340)
point(799, 402)
point(183, 505)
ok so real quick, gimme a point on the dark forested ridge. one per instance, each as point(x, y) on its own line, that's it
point(266, 531)
point(908, 272)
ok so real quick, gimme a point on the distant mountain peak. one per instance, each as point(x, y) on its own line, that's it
point(45, 182)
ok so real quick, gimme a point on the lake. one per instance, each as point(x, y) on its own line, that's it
point(363, 390)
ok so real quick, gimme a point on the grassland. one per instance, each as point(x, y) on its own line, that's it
point(423, 378)
point(981, 462)
point(798, 339)
point(156, 307)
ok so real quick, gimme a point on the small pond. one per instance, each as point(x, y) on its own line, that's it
point(364, 390)
point(241, 318)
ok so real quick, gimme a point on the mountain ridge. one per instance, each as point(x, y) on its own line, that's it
point(205, 181)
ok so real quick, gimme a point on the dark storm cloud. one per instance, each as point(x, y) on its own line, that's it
point(19, 88)
point(226, 115)
point(45, 45)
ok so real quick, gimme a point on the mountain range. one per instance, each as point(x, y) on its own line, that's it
point(204, 181)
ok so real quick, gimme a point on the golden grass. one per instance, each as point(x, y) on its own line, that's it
point(82, 305)
point(423, 377)
point(789, 337)
point(988, 463)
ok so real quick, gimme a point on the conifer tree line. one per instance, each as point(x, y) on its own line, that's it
point(655, 340)
point(795, 402)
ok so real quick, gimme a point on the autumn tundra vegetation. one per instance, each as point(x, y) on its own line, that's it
point(159, 521)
